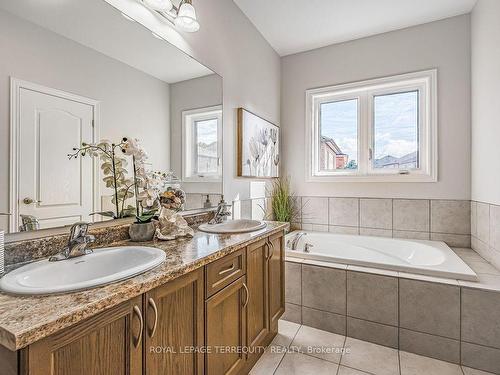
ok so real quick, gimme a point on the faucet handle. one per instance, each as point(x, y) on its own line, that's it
point(78, 229)
point(307, 247)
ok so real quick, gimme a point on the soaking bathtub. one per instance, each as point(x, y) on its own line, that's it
point(431, 258)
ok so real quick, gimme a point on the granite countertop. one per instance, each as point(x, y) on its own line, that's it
point(27, 319)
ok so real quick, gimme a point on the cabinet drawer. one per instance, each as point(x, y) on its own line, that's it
point(224, 271)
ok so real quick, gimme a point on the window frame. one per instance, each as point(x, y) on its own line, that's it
point(425, 82)
point(189, 150)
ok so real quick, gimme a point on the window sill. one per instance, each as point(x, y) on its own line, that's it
point(198, 180)
point(398, 178)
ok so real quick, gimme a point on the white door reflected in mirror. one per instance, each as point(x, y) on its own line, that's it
point(52, 190)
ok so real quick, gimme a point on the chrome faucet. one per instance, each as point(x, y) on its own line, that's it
point(293, 242)
point(221, 213)
point(77, 243)
point(307, 247)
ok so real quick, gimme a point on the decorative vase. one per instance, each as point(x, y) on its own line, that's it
point(173, 198)
point(141, 232)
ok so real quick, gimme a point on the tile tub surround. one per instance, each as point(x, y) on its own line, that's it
point(422, 219)
point(43, 247)
point(419, 219)
point(485, 231)
point(24, 320)
point(438, 318)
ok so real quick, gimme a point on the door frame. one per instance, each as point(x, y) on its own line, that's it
point(15, 88)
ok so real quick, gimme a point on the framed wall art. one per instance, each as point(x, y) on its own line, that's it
point(258, 146)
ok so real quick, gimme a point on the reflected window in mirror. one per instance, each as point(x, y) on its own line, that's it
point(202, 134)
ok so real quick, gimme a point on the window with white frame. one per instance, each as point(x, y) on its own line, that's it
point(202, 144)
point(383, 129)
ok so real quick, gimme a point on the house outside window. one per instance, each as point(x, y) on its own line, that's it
point(377, 130)
point(202, 144)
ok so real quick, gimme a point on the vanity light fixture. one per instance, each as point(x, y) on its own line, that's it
point(183, 16)
point(186, 17)
point(159, 5)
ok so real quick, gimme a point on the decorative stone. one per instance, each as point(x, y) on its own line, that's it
point(142, 231)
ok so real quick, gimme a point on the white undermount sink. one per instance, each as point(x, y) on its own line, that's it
point(233, 226)
point(103, 266)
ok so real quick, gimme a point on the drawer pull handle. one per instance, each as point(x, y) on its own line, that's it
point(137, 312)
point(228, 269)
point(152, 303)
point(247, 295)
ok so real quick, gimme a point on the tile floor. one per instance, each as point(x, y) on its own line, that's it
point(302, 350)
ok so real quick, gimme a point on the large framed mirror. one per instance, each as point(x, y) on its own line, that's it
point(139, 117)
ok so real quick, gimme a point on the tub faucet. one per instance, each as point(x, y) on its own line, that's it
point(77, 243)
point(293, 242)
point(307, 247)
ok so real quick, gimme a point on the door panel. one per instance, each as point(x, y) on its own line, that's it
point(108, 343)
point(180, 327)
point(226, 326)
point(80, 356)
point(57, 186)
point(276, 280)
point(257, 310)
point(49, 127)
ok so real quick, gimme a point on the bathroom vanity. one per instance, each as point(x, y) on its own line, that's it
point(210, 308)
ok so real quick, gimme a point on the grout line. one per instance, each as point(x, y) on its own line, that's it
point(460, 330)
point(430, 218)
point(342, 353)
point(392, 218)
point(343, 347)
point(481, 345)
point(291, 342)
point(399, 323)
point(301, 295)
point(345, 322)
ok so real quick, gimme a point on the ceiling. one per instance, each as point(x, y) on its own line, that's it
point(293, 26)
point(96, 24)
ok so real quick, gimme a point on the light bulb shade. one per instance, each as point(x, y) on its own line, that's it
point(159, 5)
point(186, 18)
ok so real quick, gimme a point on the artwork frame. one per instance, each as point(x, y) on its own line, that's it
point(258, 146)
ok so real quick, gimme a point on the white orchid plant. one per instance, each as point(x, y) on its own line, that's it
point(148, 184)
point(113, 167)
point(145, 185)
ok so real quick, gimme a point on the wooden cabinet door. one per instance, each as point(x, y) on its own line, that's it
point(276, 279)
point(258, 301)
point(175, 326)
point(225, 329)
point(108, 343)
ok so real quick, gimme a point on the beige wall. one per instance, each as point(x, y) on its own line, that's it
point(132, 103)
point(485, 37)
point(185, 95)
point(443, 45)
point(232, 47)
